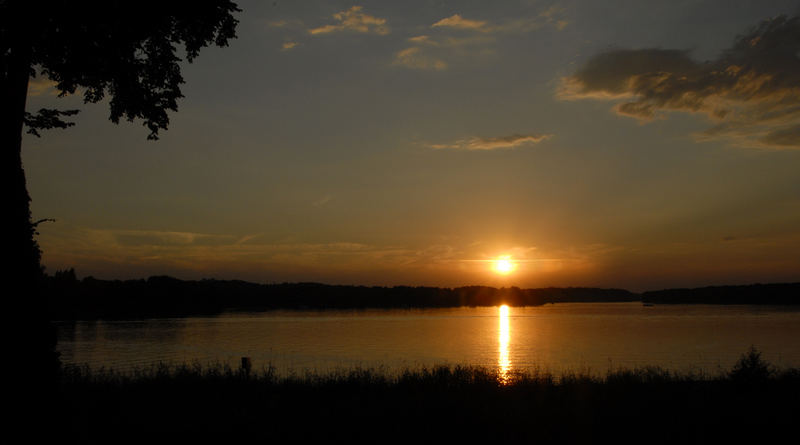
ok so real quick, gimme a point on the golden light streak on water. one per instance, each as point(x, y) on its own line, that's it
point(503, 361)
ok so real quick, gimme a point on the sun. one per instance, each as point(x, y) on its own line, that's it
point(504, 265)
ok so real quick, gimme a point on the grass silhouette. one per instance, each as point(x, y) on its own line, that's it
point(439, 404)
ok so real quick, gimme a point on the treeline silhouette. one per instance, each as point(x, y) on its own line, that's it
point(777, 293)
point(163, 296)
point(69, 298)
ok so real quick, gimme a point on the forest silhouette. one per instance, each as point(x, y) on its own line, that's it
point(163, 296)
point(69, 298)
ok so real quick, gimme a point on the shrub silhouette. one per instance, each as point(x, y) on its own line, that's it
point(751, 367)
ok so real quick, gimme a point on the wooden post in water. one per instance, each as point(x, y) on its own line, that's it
point(247, 364)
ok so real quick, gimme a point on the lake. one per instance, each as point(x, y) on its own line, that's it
point(582, 337)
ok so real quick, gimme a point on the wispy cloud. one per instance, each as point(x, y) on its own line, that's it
point(554, 16)
point(448, 260)
point(69, 245)
point(493, 143)
point(42, 86)
point(430, 53)
point(420, 40)
point(285, 23)
point(322, 201)
point(750, 93)
point(76, 244)
point(289, 45)
point(450, 42)
point(456, 37)
point(355, 20)
point(458, 22)
point(415, 58)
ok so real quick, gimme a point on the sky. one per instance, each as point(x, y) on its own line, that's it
point(631, 144)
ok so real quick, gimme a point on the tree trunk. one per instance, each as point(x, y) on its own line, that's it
point(32, 337)
point(21, 250)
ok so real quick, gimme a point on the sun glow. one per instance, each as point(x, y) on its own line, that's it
point(503, 265)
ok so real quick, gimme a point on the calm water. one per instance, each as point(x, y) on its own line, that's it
point(589, 337)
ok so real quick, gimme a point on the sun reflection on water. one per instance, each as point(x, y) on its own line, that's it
point(503, 361)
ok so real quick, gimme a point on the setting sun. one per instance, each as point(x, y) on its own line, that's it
point(504, 265)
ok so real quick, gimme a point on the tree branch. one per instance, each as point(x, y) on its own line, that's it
point(47, 119)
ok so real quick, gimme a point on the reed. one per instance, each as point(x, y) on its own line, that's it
point(431, 404)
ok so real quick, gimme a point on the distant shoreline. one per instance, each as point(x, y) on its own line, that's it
point(759, 294)
point(68, 298)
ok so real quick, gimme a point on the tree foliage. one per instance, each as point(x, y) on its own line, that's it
point(46, 119)
point(751, 367)
point(126, 51)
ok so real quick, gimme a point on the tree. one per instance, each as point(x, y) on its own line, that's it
point(751, 368)
point(126, 51)
point(121, 49)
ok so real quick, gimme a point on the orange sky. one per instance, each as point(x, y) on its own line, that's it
point(617, 144)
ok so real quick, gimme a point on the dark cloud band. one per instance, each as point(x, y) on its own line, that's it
point(751, 92)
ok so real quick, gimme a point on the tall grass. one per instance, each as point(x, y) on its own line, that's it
point(432, 404)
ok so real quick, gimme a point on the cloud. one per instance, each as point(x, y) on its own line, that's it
point(137, 238)
point(553, 16)
point(74, 245)
point(429, 53)
point(751, 92)
point(458, 22)
point(494, 143)
point(449, 42)
point(284, 23)
point(289, 45)
point(354, 20)
point(322, 201)
point(420, 39)
point(414, 58)
point(455, 37)
point(786, 137)
point(42, 86)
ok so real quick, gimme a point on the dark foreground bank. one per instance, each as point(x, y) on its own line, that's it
point(752, 403)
